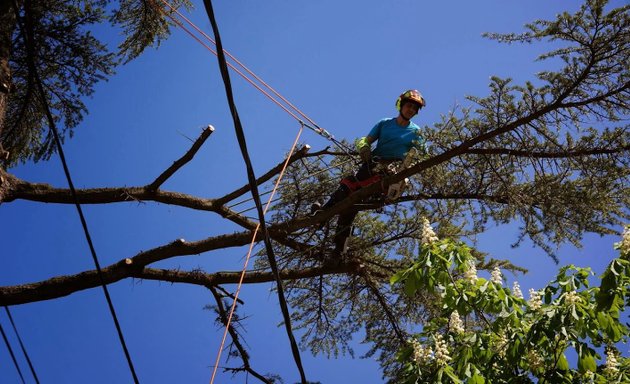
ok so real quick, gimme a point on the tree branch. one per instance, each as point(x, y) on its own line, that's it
point(550, 155)
point(182, 160)
point(266, 177)
point(235, 338)
point(66, 285)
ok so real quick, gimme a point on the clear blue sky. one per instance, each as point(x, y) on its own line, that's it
point(343, 63)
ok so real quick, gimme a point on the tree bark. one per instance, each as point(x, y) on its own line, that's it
point(7, 27)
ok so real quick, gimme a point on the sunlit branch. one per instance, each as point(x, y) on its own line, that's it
point(188, 156)
point(66, 285)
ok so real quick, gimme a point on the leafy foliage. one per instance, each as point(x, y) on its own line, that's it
point(144, 24)
point(553, 170)
point(550, 154)
point(505, 339)
point(53, 41)
point(559, 167)
point(50, 38)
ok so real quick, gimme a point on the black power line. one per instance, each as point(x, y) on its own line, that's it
point(28, 359)
point(28, 40)
point(15, 363)
point(254, 188)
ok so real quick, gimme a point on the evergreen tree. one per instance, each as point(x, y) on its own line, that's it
point(551, 153)
point(51, 44)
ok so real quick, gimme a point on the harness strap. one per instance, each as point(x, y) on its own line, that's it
point(353, 184)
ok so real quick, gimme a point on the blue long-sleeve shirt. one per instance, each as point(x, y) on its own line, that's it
point(394, 141)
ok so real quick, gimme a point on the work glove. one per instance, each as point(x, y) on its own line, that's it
point(364, 148)
point(365, 153)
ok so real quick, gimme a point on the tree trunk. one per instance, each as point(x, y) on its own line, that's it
point(7, 27)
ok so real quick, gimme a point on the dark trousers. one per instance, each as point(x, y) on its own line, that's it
point(364, 176)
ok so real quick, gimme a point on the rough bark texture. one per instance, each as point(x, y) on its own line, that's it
point(7, 26)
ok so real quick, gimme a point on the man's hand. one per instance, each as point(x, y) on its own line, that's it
point(364, 148)
point(365, 153)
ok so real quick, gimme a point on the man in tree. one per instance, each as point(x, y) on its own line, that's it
point(394, 138)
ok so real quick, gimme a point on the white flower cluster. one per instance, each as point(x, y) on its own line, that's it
point(441, 350)
point(611, 362)
point(500, 344)
point(535, 299)
point(516, 290)
point(497, 277)
point(624, 244)
point(571, 297)
point(471, 272)
point(428, 235)
point(421, 354)
point(455, 323)
point(589, 376)
point(535, 361)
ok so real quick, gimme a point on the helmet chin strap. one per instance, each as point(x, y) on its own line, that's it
point(403, 118)
point(400, 113)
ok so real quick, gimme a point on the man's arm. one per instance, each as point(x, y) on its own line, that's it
point(364, 147)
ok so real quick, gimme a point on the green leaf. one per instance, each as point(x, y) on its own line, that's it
point(449, 372)
point(563, 364)
point(574, 313)
point(396, 278)
point(476, 379)
point(612, 268)
point(586, 361)
point(410, 287)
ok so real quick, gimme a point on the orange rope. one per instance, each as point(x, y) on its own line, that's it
point(315, 127)
point(251, 246)
point(241, 64)
point(249, 252)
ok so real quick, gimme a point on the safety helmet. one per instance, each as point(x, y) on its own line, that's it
point(410, 95)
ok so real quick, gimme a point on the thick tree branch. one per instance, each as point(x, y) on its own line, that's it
point(582, 152)
point(135, 267)
point(19, 189)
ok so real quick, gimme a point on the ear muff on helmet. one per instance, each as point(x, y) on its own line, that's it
point(410, 95)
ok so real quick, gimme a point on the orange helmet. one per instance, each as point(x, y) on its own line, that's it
point(410, 95)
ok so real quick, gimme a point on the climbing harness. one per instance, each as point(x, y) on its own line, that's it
point(381, 170)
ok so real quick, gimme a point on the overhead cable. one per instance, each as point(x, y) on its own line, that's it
point(17, 334)
point(28, 39)
point(15, 363)
point(254, 190)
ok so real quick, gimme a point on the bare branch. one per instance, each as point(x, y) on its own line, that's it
point(66, 285)
point(266, 177)
point(182, 160)
point(550, 155)
point(235, 339)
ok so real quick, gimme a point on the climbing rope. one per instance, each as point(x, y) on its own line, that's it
point(248, 256)
point(295, 110)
